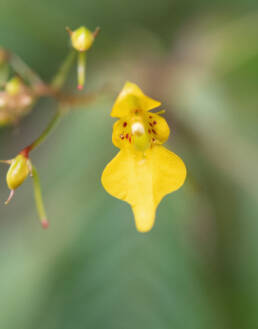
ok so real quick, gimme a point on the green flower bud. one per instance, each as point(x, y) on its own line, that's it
point(82, 39)
point(18, 172)
point(14, 86)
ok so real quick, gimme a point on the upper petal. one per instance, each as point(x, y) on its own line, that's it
point(130, 98)
point(143, 181)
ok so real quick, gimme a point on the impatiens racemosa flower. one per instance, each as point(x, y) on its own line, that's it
point(82, 40)
point(143, 171)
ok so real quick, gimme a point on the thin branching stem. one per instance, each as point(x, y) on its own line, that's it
point(56, 84)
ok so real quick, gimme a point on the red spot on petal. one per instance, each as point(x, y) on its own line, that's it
point(153, 139)
point(130, 139)
point(122, 136)
point(154, 122)
point(150, 124)
point(150, 116)
point(124, 124)
point(126, 136)
point(149, 131)
point(154, 132)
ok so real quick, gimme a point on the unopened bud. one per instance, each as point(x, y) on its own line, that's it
point(82, 38)
point(14, 86)
point(18, 172)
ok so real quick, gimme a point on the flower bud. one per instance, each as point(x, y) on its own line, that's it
point(18, 171)
point(82, 39)
point(14, 86)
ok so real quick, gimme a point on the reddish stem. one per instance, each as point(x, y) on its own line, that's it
point(25, 152)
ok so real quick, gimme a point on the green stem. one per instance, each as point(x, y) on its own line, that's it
point(38, 198)
point(61, 75)
point(56, 83)
point(45, 133)
point(24, 70)
point(81, 68)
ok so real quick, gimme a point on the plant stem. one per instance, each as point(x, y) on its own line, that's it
point(81, 68)
point(44, 134)
point(56, 83)
point(24, 70)
point(60, 77)
point(38, 198)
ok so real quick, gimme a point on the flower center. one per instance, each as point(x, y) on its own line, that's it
point(137, 129)
point(141, 140)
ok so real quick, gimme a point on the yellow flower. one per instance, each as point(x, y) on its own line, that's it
point(144, 171)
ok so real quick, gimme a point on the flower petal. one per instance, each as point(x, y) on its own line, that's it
point(131, 98)
point(158, 127)
point(143, 180)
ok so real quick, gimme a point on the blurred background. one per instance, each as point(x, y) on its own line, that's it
point(198, 267)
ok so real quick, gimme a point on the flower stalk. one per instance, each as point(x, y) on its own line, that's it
point(81, 69)
point(38, 199)
point(60, 77)
point(38, 141)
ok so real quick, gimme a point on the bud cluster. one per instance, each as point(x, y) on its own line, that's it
point(16, 101)
point(18, 97)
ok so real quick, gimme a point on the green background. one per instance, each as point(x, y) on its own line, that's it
point(198, 267)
